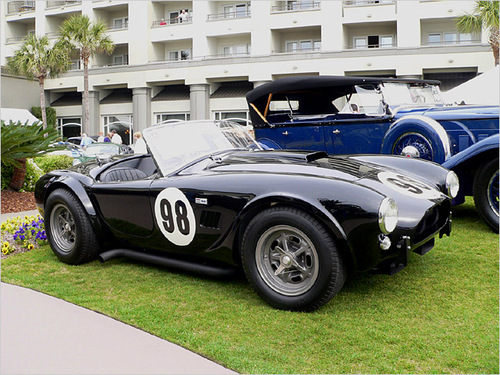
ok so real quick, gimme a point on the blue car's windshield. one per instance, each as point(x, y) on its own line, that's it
point(174, 145)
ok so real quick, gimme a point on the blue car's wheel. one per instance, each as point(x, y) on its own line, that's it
point(486, 193)
point(413, 145)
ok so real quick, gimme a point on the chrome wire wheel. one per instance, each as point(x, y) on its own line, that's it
point(287, 260)
point(63, 228)
point(493, 193)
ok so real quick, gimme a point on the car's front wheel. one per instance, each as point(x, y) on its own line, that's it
point(486, 193)
point(414, 145)
point(291, 260)
point(68, 228)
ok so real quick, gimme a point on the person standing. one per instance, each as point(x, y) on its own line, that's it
point(139, 145)
point(101, 137)
point(86, 140)
point(116, 138)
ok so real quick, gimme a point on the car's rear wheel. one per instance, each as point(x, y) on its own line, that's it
point(291, 260)
point(486, 193)
point(414, 145)
point(68, 228)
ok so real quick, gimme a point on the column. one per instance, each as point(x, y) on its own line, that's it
point(199, 101)
point(141, 104)
point(94, 113)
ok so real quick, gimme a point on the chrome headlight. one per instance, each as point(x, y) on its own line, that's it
point(452, 184)
point(387, 215)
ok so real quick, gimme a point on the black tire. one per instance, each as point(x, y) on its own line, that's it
point(282, 277)
point(68, 228)
point(486, 193)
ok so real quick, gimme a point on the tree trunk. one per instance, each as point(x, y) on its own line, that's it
point(86, 106)
point(494, 42)
point(41, 83)
point(18, 175)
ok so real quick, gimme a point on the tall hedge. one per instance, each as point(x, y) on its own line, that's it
point(51, 115)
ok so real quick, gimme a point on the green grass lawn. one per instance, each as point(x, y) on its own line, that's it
point(439, 315)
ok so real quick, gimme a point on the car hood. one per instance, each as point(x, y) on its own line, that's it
point(369, 171)
point(461, 112)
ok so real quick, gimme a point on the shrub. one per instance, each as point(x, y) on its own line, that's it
point(33, 173)
point(49, 163)
point(7, 171)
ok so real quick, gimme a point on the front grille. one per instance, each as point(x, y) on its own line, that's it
point(432, 222)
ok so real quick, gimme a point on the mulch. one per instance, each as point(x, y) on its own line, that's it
point(14, 201)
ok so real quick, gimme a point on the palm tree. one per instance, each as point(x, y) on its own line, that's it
point(36, 59)
point(485, 15)
point(79, 33)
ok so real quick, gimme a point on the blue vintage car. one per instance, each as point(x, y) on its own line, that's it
point(356, 115)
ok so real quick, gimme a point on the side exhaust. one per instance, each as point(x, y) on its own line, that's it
point(212, 270)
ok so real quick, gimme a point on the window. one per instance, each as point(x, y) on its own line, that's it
point(179, 55)
point(434, 38)
point(359, 43)
point(236, 50)
point(120, 23)
point(386, 41)
point(160, 117)
point(120, 60)
point(116, 118)
point(465, 38)
point(237, 10)
point(173, 17)
point(450, 38)
point(75, 65)
point(302, 45)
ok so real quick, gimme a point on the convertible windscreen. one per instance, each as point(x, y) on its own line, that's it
point(175, 145)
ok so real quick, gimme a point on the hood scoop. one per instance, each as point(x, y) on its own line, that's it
point(313, 156)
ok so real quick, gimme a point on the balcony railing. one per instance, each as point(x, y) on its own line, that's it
point(229, 15)
point(55, 4)
point(298, 50)
point(296, 6)
point(372, 46)
point(123, 26)
point(15, 39)
point(360, 3)
point(53, 34)
point(20, 6)
point(172, 21)
point(452, 43)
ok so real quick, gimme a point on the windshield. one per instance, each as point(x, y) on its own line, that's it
point(178, 144)
point(397, 94)
point(97, 149)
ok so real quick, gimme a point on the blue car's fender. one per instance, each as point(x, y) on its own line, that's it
point(467, 162)
point(414, 130)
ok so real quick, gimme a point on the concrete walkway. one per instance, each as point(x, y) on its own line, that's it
point(40, 334)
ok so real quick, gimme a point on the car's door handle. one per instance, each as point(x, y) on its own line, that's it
point(336, 131)
point(285, 132)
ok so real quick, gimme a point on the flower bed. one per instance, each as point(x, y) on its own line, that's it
point(22, 234)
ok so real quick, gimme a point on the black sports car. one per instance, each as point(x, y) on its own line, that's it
point(208, 199)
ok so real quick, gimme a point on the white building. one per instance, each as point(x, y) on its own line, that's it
point(201, 65)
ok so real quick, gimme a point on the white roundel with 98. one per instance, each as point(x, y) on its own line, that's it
point(408, 186)
point(175, 216)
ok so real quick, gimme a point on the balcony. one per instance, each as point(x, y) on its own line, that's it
point(296, 6)
point(361, 3)
point(173, 21)
point(14, 39)
point(53, 35)
point(229, 15)
point(14, 7)
point(56, 4)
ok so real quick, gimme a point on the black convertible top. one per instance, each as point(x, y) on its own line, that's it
point(320, 82)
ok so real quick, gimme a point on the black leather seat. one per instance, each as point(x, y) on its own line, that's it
point(123, 174)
